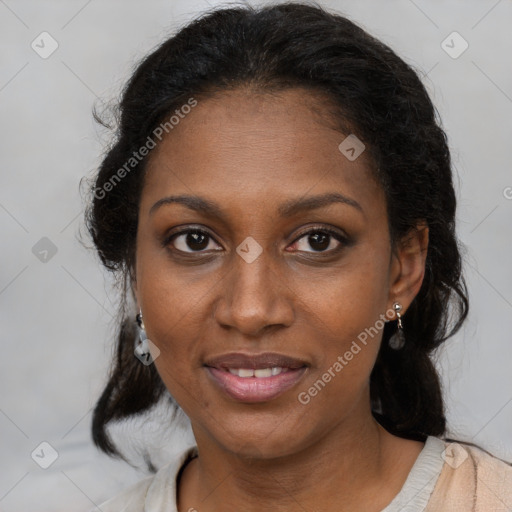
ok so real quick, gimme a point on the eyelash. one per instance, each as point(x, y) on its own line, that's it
point(343, 240)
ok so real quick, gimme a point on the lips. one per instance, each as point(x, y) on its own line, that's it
point(236, 360)
point(255, 378)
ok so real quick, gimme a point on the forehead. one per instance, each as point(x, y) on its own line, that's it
point(258, 149)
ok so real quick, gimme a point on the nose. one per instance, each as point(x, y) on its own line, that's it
point(254, 297)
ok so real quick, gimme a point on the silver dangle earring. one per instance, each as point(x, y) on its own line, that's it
point(141, 344)
point(397, 340)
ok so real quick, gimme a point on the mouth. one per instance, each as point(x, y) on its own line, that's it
point(255, 378)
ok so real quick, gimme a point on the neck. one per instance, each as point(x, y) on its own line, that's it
point(339, 467)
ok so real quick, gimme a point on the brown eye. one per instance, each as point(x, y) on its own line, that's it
point(192, 241)
point(319, 240)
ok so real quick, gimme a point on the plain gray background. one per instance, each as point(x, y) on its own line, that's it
point(56, 315)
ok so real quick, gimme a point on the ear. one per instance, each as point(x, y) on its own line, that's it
point(408, 266)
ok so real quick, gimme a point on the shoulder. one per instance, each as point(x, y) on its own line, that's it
point(472, 479)
point(156, 493)
point(130, 500)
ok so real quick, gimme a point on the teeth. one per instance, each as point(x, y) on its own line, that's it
point(263, 372)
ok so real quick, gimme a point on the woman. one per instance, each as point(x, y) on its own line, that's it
point(280, 209)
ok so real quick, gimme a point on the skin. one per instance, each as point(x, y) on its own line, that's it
point(249, 153)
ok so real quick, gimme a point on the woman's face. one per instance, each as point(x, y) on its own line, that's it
point(264, 179)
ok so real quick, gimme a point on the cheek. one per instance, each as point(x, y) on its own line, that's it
point(172, 296)
point(345, 314)
point(175, 314)
point(175, 323)
point(349, 299)
point(171, 311)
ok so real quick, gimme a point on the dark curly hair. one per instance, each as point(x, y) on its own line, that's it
point(373, 93)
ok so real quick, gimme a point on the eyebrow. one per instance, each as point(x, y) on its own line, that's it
point(287, 209)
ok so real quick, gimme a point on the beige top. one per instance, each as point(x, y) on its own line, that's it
point(454, 477)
